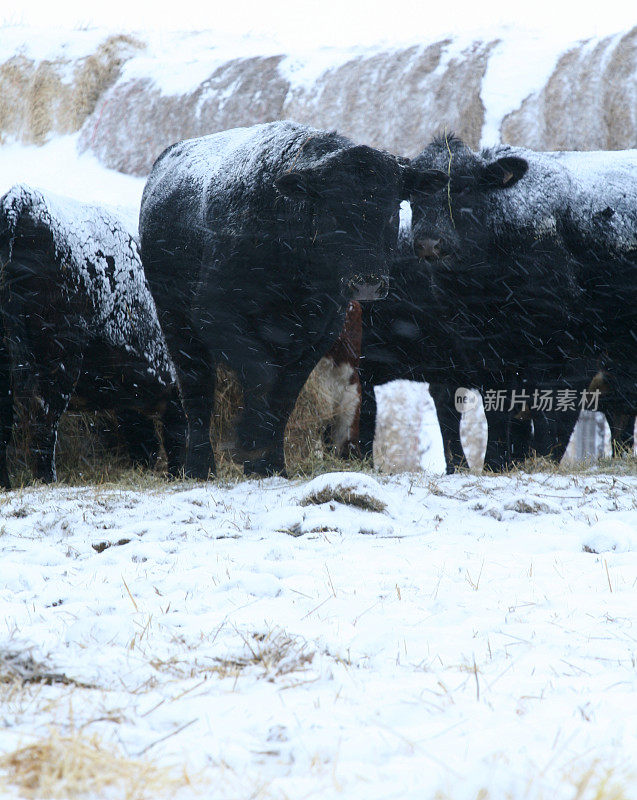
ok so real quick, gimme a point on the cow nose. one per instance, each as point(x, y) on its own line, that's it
point(369, 288)
point(428, 248)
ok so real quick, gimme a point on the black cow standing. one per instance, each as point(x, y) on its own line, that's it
point(540, 255)
point(253, 241)
point(78, 319)
point(414, 335)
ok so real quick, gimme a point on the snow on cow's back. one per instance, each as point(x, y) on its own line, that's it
point(608, 193)
point(537, 201)
point(100, 257)
point(239, 155)
point(591, 165)
point(584, 183)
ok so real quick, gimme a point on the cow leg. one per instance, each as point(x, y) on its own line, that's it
point(56, 384)
point(564, 425)
point(266, 396)
point(520, 437)
point(449, 421)
point(543, 433)
point(173, 425)
point(6, 414)
point(622, 430)
point(497, 457)
point(266, 414)
point(367, 418)
point(197, 375)
point(139, 433)
point(198, 395)
point(344, 428)
point(552, 431)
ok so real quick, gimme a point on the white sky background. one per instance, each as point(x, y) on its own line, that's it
point(301, 24)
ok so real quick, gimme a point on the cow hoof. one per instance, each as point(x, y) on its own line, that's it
point(200, 463)
point(200, 469)
point(199, 473)
point(264, 467)
point(350, 451)
point(176, 472)
point(46, 477)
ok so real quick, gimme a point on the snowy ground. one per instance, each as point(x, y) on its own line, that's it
point(459, 638)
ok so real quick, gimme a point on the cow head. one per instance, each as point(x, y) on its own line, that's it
point(455, 223)
point(353, 197)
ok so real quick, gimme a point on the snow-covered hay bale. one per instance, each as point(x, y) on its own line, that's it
point(349, 488)
point(407, 436)
point(138, 117)
point(136, 120)
point(588, 103)
point(424, 86)
point(133, 97)
point(56, 95)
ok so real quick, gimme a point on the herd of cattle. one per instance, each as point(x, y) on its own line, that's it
point(517, 273)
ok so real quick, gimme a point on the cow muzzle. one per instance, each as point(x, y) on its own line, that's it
point(367, 289)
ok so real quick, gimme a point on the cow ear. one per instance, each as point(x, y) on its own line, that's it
point(422, 181)
point(299, 185)
point(504, 173)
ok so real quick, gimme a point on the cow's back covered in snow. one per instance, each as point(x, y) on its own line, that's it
point(77, 315)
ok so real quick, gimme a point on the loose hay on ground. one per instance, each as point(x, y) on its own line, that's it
point(77, 765)
point(350, 489)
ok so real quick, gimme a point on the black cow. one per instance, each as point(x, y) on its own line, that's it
point(539, 251)
point(78, 319)
point(413, 335)
point(253, 241)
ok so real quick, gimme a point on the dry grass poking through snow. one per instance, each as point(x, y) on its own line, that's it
point(274, 654)
point(22, 668)
point(338, 489)
point(77, 765)
point(626, 464)
point(597, 783)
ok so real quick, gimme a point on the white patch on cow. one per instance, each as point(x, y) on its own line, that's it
point(340, 397)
